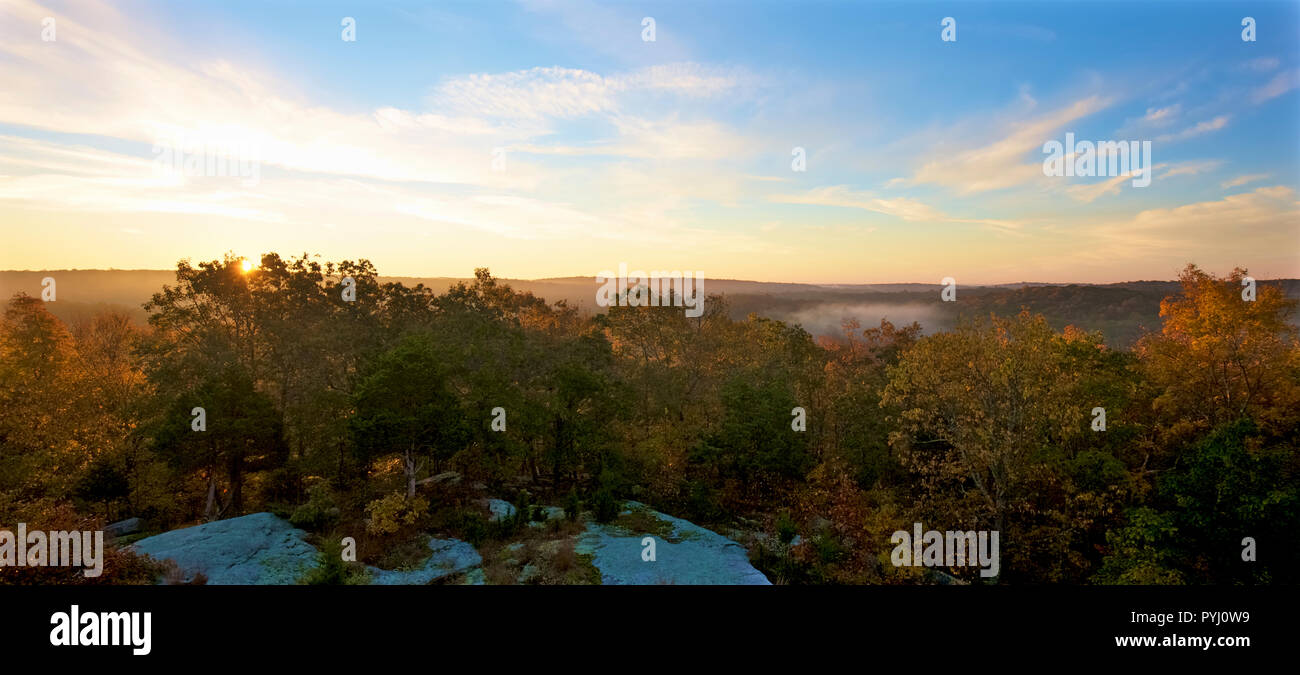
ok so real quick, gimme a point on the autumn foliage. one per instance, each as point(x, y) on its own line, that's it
point(374, 403)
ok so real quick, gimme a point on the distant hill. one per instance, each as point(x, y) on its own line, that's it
point(1120, 310)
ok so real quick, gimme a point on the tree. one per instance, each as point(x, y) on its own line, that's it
point(987, 414)
point(38, 428)
point(1219, 358)
point(1230, 485)
point(204, 323)
point(577, 396)
point(856, 429)
point(403, 405)
point(67, 402)
point(242, 434)
point(755, 438)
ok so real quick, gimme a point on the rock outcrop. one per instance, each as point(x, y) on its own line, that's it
point(449, 556)
point(257, 549)
point(261, 549)
point(685, 553)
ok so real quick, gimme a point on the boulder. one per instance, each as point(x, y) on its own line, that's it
point(500, 509)
point(447, 477)
point(122, 527)
point(685, 553)
point(448, 556)
point(257, 549)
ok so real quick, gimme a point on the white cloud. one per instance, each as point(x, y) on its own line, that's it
point(451, 142)
point(1280, 84)
point(1242, 180)
point(564, 93)
point(842, 196)
point(92, 83)
point(1006, 161)
point(531, 94)
point(1199, 128)
point(1090, 192)
point(1238, 228)
point(1162, 115)
point(1188, 168)
point(903, 208)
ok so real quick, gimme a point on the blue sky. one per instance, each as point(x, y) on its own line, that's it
point(923, 157)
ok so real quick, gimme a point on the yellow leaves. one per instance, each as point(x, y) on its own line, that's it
point(1217, 352)
point(389, 514)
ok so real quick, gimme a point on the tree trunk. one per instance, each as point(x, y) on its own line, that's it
point(409, 461)
point(236, 473)
point(209, 509)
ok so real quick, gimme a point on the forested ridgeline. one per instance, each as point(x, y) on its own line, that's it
point(1121, 311)
point(384, 414)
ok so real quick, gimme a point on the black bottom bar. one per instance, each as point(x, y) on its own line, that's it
point(931, 624)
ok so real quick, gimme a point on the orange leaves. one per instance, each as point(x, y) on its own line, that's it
point(1218, 355)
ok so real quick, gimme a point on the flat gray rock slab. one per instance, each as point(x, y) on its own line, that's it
point(500, 509)
point(123, 527)
point(688, 555)
point(449, 556)
point(253, 550)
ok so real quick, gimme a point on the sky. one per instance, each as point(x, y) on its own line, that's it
point(824, 142)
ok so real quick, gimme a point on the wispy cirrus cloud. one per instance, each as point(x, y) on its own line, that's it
point(1090, 192)
point(1188, 168)
point(1195, 130)
point(843, 196)
point(903, 208)
point(563, 93)
point(1005, 162)
point(1163, 115)
point(449, 142)
point(611, 144)
point(1242, 180)
point(1280, 84)
point(1268, 214)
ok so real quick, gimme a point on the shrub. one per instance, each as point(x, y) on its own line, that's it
point(702, 502)
point(572, 507)
point(785, 528)
point(604, 504)
point(320, 511)
point(466, 524)
point(828, 549)
point(332, 569)
point(395, 512)
point(121, 566)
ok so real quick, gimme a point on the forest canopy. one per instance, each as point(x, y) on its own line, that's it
point(344, 413)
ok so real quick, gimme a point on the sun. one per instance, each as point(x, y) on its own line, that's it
point(247, 265)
